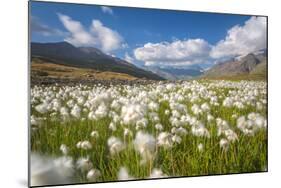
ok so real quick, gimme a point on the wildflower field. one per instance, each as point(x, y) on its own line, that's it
point(97, 133)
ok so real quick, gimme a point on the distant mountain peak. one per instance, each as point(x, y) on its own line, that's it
point(238, 66)
point(176, 73)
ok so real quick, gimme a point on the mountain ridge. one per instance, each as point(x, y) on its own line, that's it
point(250, 64)
point(171, 73)
point(87, 57)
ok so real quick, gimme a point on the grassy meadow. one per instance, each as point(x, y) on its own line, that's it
point(109, 133)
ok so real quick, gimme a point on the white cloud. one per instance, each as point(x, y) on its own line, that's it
point(97, 35)
point(177, 53)
point(79, 36)
point(128, 58)
point(107, 10)
point(38, 27)
point(241, 40)
point(108, 39)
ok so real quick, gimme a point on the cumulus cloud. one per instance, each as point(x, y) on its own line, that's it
point(244, 39)
point(38, 27)
point(177, 53)
point(97, 35)
point(109, 39)
point(107, 10)
point(128, 58)
point(239, 40)
point(79, 36)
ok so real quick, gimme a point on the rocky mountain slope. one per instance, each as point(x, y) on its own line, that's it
point(251, 64)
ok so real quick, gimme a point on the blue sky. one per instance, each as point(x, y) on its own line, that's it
point(145, 36)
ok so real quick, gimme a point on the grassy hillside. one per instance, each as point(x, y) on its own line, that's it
point(46, 68)
point(64, 53)
point(260, 69)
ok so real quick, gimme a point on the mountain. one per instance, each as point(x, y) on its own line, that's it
point(66, 54)
point(171, 73)
point(253, 64)
point(47, 71)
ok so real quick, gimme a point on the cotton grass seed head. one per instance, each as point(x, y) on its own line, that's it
point(93, 175)
point(115, 145)
point(86, 145)
point(224, 144)
point(124, 175)
point(165, 139)
point(127, 132)
point(94, 134)
point(64, 149)
point(200, 147)
point(176, 139)
point(157, 173)
point(159, 127)
point(84, 164)
point(145, 144)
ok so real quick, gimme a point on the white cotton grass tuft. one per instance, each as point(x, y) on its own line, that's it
point(78, 145)
point(101, 112)
point(84, 164)
point(70, 103)
point(196, 109)
point(228, 102)
point(145, 144)
point(153, 116)
point(112, 126)
point(176, 139)
point(153, 106)
point(210, 117)
point(230, 135)
point(64, 112)
point(124, 175)
point(157, 173)
point(142, 123)
point(251, 124)
point(199, 129)
point(205, 107)
point(86, 145)
point(80, 100)
point(92, 116)
point(159, 127)
point(200, 147)
point(167, 112)
point(42, 108)
point(36, 122)
point(93, 175)
point(94, 134)
point(132, 113)
point(165, 139)
point(179, 131)
point(64, 149)
point(49, 171)
point(224, 144)
point(127, 132)
point(115, 145)
point(76, 111)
